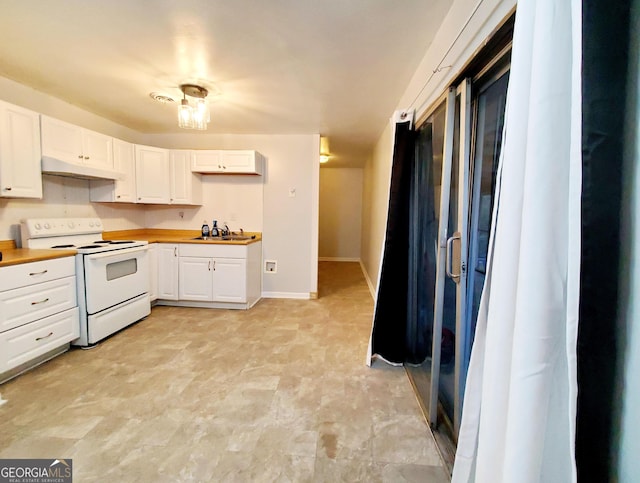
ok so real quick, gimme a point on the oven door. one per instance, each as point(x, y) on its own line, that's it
point(114, 277)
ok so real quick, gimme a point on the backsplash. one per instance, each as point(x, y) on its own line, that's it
point(237, 200)
point(65, 197)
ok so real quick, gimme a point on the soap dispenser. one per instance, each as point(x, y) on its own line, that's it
point(214, 229)
point(205, 229)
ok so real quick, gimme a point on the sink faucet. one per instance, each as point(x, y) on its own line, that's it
point(225, 231)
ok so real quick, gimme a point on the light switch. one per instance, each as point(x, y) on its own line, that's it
point(292, 192)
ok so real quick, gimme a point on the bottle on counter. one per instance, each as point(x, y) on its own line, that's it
point(214, 229)
point(205, 229)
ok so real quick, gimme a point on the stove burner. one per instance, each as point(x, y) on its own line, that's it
point(121, 242)
point(62, 246)
point(89, 246)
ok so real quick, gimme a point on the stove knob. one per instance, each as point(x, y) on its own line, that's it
point(71, 224)
point(37, 226)
point(91, 224)
point(98, 224)
point(47, 226)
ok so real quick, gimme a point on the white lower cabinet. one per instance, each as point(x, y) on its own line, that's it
point(230, 280)
point(216, 276)
point(196, 279)
point(38, 313)
point(168, 271)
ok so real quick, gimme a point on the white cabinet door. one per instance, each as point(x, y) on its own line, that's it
point(152, 250)
point(227, 162)
point(196, 279)
point(207, 161)
point(97, 150)
point(121, 190)
point(73, 144)
point(124, 161)
point(238, 161)
point(229, 280)
point(152, 175)
point(181, 177)
point(61, 140)
point(20, 174)
point(167, 271)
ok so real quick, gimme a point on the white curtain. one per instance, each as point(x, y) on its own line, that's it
point(518, 421)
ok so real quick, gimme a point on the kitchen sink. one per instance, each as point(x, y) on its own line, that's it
point(224, 238)
point(237, 237)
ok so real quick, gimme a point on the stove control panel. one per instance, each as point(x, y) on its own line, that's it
point(47, 227)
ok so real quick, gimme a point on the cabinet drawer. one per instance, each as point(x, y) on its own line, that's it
point(29, 341)
point(15, 276)
point(26, 304)
point(212, 251)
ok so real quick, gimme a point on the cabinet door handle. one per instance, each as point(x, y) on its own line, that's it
point(214, 265)
point(45, 337)
point(175, 251)
point(209, 265)
point(8, 188)
point(86, 157)
point(38, 273)
point(80, 156)
point(40, 301)
point(118, 196)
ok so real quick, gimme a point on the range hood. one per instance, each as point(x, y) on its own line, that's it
point(71, 170)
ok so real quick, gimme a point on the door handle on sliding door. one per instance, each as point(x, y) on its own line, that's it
point(453, 257)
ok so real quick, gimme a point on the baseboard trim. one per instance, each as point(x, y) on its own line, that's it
point(372, 289)
point(338, 259)
point(286, 295)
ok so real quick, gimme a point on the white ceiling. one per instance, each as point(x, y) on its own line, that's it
point(334, 67)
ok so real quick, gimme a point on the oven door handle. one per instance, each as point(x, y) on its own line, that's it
point(112, 253)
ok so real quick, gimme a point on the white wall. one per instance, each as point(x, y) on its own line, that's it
point(340, 213)
point(237, 200)
point(422, 91)
point(289, 224)
point(377, 177)
point(628, 443)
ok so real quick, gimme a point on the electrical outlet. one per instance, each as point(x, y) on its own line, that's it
point(270, 266)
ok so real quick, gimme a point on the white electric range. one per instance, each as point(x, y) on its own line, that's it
point(112, 277)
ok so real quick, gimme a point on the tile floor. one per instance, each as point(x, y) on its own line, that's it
point(277, 393)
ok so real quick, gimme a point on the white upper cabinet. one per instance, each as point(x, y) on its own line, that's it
point(76, 145)
point(152, 175)
point(122, 190)
point(20, 175)
point(228, 162)
point(186, 187)
point(206, 161)
point(97, 149)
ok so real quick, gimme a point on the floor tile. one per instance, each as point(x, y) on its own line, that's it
point(280, 392)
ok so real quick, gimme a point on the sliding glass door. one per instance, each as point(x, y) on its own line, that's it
point(457, 152)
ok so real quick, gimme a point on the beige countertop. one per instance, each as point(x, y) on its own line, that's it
point(15, 256)
point(155, 235)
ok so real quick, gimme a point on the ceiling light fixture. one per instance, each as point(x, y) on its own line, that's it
point(324, 149)
point(196, 116)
